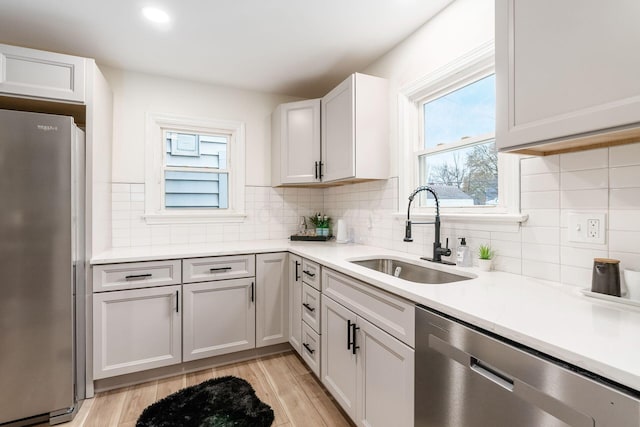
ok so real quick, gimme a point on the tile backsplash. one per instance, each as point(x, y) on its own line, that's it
point(272, 213)
point(605, 180)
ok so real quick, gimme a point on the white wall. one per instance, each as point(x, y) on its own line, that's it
point(458, 29)
point(135, 94)
point(271, 213)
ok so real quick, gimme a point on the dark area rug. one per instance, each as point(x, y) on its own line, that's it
point(220, 402)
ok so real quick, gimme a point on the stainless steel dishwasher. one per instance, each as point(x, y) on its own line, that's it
point(466, 377)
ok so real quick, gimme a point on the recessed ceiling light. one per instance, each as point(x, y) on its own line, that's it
point(154, 14)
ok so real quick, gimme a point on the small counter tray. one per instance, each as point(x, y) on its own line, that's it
point(610, 298)
point(295, 237)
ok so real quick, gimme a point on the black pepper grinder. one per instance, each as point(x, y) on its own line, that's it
point(606, 276)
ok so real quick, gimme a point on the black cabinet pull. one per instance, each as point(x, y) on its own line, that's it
point(177, 302)
point(308, 307)
point(297, 274)
point(309, 349)
point(138, 276)
point(320, 174)
point(316, 170)
point(348, 334)
point(308, 273)
point(252, 292)
point(354, 347)
point(212, 270)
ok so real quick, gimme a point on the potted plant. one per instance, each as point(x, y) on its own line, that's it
point(485, 257)
point(321, 224)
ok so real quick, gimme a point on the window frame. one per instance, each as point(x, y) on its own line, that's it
point(155, 211)
point(473, 66)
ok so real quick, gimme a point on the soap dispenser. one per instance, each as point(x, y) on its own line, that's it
point(463, 255)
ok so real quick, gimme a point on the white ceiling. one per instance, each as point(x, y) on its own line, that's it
point(293, 47)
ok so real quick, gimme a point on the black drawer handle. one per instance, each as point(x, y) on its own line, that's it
point(309, 349)
point(308, 307)
point(212, 270)
point(138, 276)
point(308, 273)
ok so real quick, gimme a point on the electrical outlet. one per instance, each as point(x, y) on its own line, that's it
point(586, 227)
point(593, 228)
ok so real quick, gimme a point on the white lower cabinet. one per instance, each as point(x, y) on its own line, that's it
point(385, 378)
point(136, 329)
point(338, 361)
point(369, 372)
point(272, 299)
point(219, 318)
point(295, 302)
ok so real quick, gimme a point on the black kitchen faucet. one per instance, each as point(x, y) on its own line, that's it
point(438, 250)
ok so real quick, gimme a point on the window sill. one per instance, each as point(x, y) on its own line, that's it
point(488, 221)
point(194, 218)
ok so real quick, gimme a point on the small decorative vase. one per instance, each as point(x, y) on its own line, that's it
point(484, 264)
point(318, 231)
point(325, 231)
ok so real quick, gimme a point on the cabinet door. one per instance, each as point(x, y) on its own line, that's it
point(565, 68)
point(136, 330)
point(385, 378)
point(295, 302)
point(40, 74)
point(300, 139)
point(272, 299)
point(338, 363)
point(219, 318)
point(338, 132)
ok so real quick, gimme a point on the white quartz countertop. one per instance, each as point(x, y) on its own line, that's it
point(599, 336)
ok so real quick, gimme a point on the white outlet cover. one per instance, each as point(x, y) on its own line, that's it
point(578, 227)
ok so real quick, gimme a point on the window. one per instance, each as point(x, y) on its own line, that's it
point(458, 157)
point(194, 170)
point(447, 141)
point(196, 174)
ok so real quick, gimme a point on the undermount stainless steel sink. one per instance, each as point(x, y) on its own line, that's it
point(410, 272)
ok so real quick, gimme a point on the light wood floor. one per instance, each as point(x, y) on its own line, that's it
point(282, 381)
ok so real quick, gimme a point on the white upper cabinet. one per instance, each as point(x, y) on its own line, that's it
point(355, 130)
point(38, 74)
point(343, 137)
point(566, 73)
point(295, 128)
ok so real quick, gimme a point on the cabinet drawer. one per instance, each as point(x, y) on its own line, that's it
point(113, 277)
point(390, 313)
point(311, 273)
point(218, 268)
point(311, 307)
point(40, 74)
point(311, 348)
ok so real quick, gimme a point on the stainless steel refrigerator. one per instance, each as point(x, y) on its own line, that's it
point(41, 264)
